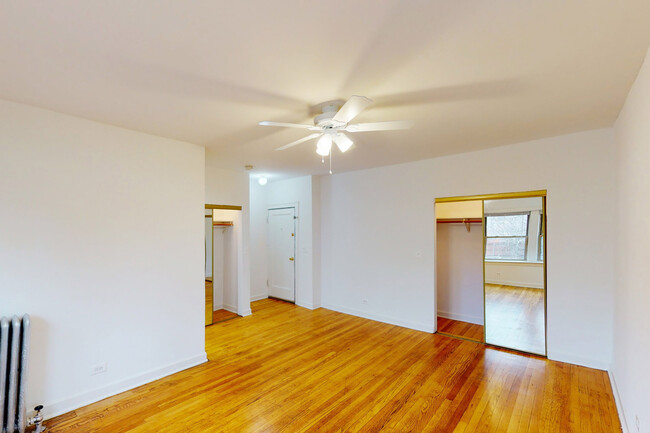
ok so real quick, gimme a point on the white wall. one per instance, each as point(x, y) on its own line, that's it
point(230, 187)
point(519, 274)
point(459, 274)
point(632, 315)
point(298, 192)
point(378, 235)
point(259, 289)
point(103, 280)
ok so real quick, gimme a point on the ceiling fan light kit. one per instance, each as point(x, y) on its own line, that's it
point(333, 122)
point(343, 142)
point(324, 145)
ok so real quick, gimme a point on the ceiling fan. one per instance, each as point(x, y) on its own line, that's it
point(333, 122)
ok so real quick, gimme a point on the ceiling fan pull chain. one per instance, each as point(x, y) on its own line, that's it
point(330, 162)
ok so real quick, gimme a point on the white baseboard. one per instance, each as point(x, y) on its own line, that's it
point(619, 403)
point(259, 297)
point(477, 320)
point(50, 410)
point(307, 305)
point(217, 307)
point(246, 312)
point(570, 358)
point(425, 327)
point(230, 308)
point(515, 283)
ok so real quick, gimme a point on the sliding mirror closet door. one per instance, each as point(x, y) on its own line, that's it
point(515, 286)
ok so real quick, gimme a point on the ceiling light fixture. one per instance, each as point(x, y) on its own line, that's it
point(262, 180)
point(324, 145)
point(343, 142)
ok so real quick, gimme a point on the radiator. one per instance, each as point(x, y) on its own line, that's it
point(14, 349)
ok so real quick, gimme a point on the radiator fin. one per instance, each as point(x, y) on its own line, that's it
point(14, 351)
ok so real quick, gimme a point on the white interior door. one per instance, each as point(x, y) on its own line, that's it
point(282, 247)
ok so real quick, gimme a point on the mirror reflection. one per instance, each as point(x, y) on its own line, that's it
point(514, 274)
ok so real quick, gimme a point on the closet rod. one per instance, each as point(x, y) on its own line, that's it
point(459, 221)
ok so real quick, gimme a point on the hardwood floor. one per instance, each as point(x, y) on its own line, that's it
point(515, 318)
point(289, 369)
point(222, 316)
point(456, 328)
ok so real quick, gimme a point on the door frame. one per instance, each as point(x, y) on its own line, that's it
point(500, 196)
point(296, 244)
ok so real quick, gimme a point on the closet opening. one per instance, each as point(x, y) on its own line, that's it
point(491, 269)
point(223, 262)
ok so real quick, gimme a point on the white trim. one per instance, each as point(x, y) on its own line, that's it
point(217, 307)
point(69, 404)
point(619, 403)
point(571, 358)
point(245, 313)
point(418, 326)
point(231, 308)
point(477, 320)
point(259, 297)
point(526, 285)
point(307, 305)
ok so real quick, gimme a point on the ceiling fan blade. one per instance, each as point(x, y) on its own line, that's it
point(286, 125)
point(380, 126)
point(302, 140)
point(350, 110)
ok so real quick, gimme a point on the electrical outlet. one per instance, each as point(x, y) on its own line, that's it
point(498, 275)
point(364, 301)
point(98, 368)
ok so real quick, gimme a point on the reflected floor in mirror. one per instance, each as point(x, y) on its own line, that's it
point(515, 317)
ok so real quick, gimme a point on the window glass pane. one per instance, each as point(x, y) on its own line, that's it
point(505, 248)
point(541, 248)
point(506, 225)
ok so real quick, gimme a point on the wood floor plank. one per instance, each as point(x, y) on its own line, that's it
point(457, 328)
point(289, 369)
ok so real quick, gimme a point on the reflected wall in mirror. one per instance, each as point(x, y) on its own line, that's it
point(515, 292)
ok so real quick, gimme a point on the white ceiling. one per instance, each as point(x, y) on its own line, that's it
point(471, 74)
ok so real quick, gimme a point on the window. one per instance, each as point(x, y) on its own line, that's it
point(506, 236)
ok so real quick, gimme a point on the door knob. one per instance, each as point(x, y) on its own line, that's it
point(291, 258)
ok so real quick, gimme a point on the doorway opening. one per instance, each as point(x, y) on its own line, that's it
point(281, 233)
point(223, 262)
point(491, 269)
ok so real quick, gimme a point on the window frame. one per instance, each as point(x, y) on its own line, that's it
point(525, 259)
point(540, 238)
